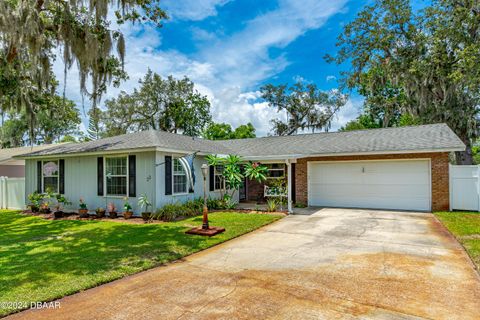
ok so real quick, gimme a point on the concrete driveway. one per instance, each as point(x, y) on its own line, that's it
point(332, 264)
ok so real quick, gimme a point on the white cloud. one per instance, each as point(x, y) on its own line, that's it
point(348, 112)
point(192, 9)
point(331, 78)
point(227, 69)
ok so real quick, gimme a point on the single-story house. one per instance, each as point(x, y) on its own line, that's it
point(404, 168)
point(15, 168)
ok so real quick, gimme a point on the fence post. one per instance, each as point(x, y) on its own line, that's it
point(450, 186)
point(478, 187)
point(4, 192)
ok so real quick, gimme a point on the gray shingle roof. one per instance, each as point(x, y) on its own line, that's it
point(416, 138)
point(7, 154)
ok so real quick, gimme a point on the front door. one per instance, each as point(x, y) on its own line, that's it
point(242, 192)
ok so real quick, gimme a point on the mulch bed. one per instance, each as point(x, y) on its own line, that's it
point(76, 216)
point(134, 220)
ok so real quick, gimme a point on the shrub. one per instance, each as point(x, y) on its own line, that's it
point(220, 204)
point(272, 205)
point(194, 207)
point(173, 211)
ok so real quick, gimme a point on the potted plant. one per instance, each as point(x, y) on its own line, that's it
point(112, 210)
point(144, 202)
point(45, 207)
point(61, 202)
point(127, 213)
point(35, 200)
point(83, 211)
point(100, 212)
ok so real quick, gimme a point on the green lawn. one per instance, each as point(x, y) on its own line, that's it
point(466, 228)
point(41, 260)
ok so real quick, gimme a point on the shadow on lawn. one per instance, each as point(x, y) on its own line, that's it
point(39, 253)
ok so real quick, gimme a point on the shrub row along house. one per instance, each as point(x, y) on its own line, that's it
point(394, 168)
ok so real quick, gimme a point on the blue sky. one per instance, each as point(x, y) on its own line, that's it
point(230, 48)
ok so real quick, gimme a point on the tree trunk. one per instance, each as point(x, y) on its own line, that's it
point(465, 157)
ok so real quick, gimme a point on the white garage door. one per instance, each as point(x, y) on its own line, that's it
point(403, 185)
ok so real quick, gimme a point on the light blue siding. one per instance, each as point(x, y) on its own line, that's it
point(81, 181)
point(163, 199)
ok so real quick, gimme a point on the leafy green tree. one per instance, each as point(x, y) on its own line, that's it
point(232, 172)
point(57, 118)
point(162, 104)
point(424, 63)
point(13, 133)
point(218, 131)
point(94, 129)
point(363, 121)
point(33, 33)
point(224, 131)
point(476, 152)
point(244, 131)
point(306, 107)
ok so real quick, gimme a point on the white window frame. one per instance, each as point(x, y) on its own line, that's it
point(57, 176)
point(105, 177)
point(215, 174)
point(173, 177)
point(276, 169)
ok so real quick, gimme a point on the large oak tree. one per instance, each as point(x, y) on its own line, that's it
point(166, 104)
point(33, 33)
point(424, 63)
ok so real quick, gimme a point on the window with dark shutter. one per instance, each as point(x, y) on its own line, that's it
point(168, 175)
point(61, 176)
point(100, 176)
point(132, 176)
point(39, 176)
point(211, 180)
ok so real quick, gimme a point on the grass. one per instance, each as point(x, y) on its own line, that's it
point(42, 260)
point(465, 226)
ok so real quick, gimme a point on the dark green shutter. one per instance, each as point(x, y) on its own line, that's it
point(212, 178)
point(61, 176)
point(39, 176)
point(132, 177)
point(168, 175)
point(100, 176)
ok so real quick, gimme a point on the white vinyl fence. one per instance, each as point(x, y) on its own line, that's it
point(465, 188)
point(12, 193)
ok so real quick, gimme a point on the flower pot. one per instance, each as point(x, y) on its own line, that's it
point(83, 213)
point(127, 214)
point(100, 214)
point(112, 214)
point(58, 214)
point(146, 216)
point(34, 208)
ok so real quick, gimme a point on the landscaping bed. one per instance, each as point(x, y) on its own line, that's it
point(465, 226)
point(45, 259)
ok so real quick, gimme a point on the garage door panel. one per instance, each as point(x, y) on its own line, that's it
point(383, 184)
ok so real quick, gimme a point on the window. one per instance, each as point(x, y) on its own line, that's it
point(116, 176)
point(276, 170)
point(50, 175)
point(179, 177)
point(219, 178)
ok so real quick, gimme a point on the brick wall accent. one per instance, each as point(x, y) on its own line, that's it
point(254, 191)
point(439, 174)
